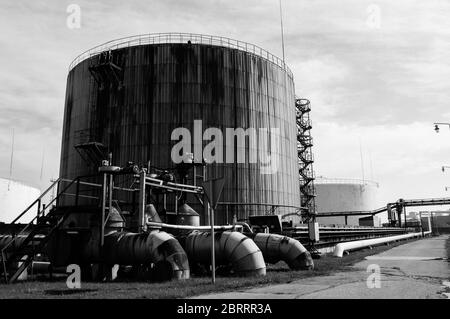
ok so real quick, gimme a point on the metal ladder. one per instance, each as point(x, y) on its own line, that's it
point(305, 158)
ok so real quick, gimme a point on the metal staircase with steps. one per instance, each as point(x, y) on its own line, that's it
point(305, 159)
point(107, 69)
point(30, 240)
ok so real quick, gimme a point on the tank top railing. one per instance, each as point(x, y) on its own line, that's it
point(326, 180)
point(163, 38)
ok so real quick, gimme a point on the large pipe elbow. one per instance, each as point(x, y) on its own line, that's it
point(156, 247)
point(14, 242)
point(277, 247)
point(230, 248)
point(6, 239)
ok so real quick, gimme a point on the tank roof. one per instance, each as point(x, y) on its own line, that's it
point(177, 38)
point(349, 181)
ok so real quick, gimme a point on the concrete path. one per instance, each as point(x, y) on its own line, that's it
point(418, 269)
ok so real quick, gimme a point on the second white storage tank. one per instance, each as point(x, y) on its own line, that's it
point(342, 195)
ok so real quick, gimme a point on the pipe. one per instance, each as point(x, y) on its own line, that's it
point(340, 248)
point(156, 247)
point(5, 240)
point(231, 247)
point(126, 248)
point(276, 247)
point(191, 228)
point(245, 226)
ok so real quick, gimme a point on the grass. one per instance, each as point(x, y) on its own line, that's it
point(276, 274)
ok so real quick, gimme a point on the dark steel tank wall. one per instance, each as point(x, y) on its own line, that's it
point(170, 85)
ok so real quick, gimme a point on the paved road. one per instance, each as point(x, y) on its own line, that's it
point(418, 269)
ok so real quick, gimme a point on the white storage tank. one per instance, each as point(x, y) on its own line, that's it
point(342, 195)
point(15, 197)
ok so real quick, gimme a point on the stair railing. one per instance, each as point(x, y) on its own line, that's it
point(40, 213)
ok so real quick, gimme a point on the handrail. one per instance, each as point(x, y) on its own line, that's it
point(190, 227)
point(325, 180)
point(55, 182)
point(194, 38)
point(154, 182)
point(36, 201)
point(100, 186)
point(13, 239)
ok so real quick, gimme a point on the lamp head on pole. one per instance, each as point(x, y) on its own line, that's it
point(436, 128)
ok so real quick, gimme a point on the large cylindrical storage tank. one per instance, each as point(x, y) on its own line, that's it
point(169, 81)
point(344, 195)
point(15, 197)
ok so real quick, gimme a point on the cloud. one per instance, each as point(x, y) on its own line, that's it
point(385, 86)
point(405, 158)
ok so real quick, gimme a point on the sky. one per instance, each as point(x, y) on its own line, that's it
point(377, 74)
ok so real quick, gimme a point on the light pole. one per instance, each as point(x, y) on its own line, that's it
point(436, 125)
point(444, 167)
point(436, 128)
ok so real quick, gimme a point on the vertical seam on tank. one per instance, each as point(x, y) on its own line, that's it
point(235, 173)
point(270, 140)
point(152, 86)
